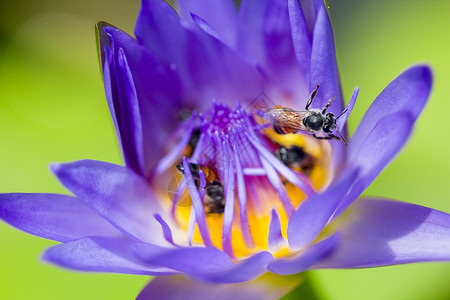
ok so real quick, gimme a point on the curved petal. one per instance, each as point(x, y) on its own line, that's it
point(408, 93)
point(96, 254)
point(220, 14)
point(315, 212)
point(207, 67)
point(143, 94)
point(246, 270)
point(132, 136)
point(381, 145)
point(184, 288)
point(324, 70)
point(381, 232)
point(342, 121)
point(265, 38)
point(205, 26)
point(51, 216)
point(117, 193)
point(302, 261)
point(275, 239)
point(301, 37)
point(159, 29)
point(122, 103)
point(187, 260)
point(206, 263)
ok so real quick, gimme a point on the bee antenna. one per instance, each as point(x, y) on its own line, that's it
point(342, 138)
point(342, 113)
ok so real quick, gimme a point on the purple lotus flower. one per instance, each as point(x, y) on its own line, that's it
point(208, 191)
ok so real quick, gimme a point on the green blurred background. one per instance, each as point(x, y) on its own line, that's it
point(52, 108)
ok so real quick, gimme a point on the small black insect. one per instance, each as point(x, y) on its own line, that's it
point(295, 158)
point(287, 120)
point(214, 201)
point(195, 136)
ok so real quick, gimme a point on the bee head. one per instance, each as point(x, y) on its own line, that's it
point(314, 121)
point(330, 123)
point(192, 167)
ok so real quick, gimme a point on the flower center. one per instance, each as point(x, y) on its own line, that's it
point(235, 177)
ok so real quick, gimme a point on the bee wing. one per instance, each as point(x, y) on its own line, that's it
point(286, 118)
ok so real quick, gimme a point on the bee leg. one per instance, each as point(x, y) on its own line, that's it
point(329, 137)
point(311, 97)
point(334, 137)
point(327, 106)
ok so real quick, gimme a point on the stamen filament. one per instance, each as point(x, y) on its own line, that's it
point(278, 185)
point(197, 203)
point(177, 195)
point(199, 147)
point(165, 228)
point(275, 237)
point(191, 225)
point(170, 158)
point(242, 197)
point(254, 171)
point(229, 202)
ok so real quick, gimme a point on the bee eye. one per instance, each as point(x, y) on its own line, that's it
point(195, 136)
point(314, 122)
point(330, 123)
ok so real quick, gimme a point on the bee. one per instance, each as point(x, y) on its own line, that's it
point(192, 143)
point(287, 120)
point(214, 201)
point(295, 158)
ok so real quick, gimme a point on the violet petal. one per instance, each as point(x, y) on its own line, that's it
point(145, 94)
point(159, 29)
point(315, 212)
point(275, 237)
point(205, 263)
point(202, 260)
point(264, 38)
point(51, 216)
point(380, 147)
point(342, 121)
point(195, 55)
point(408, 92)
point(129, 106)
point(302, 261)
point(117, 193)
point(96, 254)
point(301, 37)
point(324, 70)
point(221, 15)
point(184, 288)
point(122, 105)
point(245, 270)
point(382, 232)
point(205, 26)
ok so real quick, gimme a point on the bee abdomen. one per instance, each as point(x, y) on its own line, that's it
point(214, 202)
point(282, 129)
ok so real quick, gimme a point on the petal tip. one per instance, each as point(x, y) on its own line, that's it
point(423, 71)
point(55, 167)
